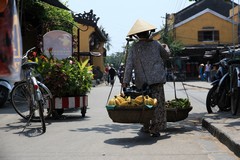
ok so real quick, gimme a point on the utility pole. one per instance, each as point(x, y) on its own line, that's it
point(233, 35)
point(165, 29)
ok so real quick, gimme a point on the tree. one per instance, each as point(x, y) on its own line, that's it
point(44, 17)
point(175, 46)
point(115, 59)
point(107, 43)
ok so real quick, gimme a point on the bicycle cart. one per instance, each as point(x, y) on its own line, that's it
point(66, 104)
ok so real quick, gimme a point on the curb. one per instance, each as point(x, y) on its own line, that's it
point(195, 86)
point(221, 136)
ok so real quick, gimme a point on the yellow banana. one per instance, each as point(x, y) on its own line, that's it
point(139, 99)
point(118, 103)
point(148, 100)
point(125, 104)
point(155, 103)
point(134, 103)
point(128, 99)
point(120, 98)
point(111, 102)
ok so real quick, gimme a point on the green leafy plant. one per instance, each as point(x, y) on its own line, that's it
point(66, 77)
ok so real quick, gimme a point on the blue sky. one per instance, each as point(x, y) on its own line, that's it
point(118, 16)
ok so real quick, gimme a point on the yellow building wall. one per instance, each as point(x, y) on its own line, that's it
point(85, 33)
point(99, 61)
point(234, 13)
point(188, 32)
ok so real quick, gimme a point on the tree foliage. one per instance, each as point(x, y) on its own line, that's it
point(115, 59)
point(44, 17)
point(175, 46)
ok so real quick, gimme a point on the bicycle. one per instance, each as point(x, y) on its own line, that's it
point(30, 98)
point(234, 73)
point(233, 78)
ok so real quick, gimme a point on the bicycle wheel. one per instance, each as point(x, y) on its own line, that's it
point(41, 115)
point(47, 100)
point(235, 91)
point(21, 100)
point(211, 101)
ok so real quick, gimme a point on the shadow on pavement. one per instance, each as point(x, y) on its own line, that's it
point(68, 118)
point(33, 130)
point(7, 109)
point(140, 140)
point(108, 128)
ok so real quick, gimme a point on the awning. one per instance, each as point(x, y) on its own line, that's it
point(236, 51)
point(209, 54)
point(96, 54)
point(56, 3)
point(181, 58)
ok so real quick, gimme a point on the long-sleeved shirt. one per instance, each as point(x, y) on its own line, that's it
point(147, 60)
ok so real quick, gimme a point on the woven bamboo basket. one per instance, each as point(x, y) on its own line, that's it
point(177, 114)
point(139, 114)
point(143, 114)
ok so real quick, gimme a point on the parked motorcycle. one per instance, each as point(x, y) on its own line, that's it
point(5, 89)
point(218, 97)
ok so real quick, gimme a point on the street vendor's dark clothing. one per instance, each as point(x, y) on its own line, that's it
point(147, 59)
point(159, 118)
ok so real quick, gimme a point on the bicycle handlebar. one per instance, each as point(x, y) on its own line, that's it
point(26, 54)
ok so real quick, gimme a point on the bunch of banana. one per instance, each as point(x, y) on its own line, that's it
point(150, 101)
point(127, 101)
point(139, 99)
point(121, 101)
point(116, 100)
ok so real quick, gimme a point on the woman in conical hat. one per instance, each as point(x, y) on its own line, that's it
point(141, 26)
point(147, 58)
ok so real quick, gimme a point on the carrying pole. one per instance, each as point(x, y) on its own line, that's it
point(126, 50)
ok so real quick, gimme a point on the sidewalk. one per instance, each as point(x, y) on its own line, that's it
point(224, 126)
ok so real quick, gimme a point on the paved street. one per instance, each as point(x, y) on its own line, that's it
point(97, 137)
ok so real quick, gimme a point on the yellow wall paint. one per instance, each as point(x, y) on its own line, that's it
point(188, 32)
point(85, 33)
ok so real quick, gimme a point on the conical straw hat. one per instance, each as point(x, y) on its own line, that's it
point(140, 26)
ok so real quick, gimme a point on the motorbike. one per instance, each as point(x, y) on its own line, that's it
point(218, 97)
point(5, 89)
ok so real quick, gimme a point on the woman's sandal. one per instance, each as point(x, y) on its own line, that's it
point(155, 134)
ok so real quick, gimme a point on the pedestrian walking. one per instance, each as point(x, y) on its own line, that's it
point(112, 74)
point(147, 58)
point(207, 71)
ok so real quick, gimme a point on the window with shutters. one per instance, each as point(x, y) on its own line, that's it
point(208, 36)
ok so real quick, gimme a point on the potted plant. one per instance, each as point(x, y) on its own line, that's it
point(69, 81)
